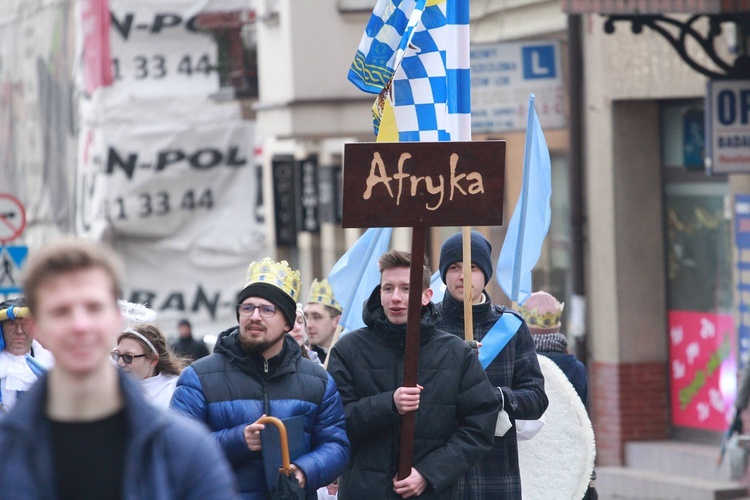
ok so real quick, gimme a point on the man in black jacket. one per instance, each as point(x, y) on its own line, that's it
point(186, 345)
point(455, 405)
point(514, 372)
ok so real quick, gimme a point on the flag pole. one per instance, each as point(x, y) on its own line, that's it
point(516, 281)
point(468, 311)
point(411, 353)
point(335, 339)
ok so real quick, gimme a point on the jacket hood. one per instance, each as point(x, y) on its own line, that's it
point(375, 318)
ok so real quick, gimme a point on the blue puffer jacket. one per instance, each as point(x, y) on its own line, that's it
point(167, 456)
point(229, 390)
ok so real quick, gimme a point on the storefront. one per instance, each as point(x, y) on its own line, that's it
point(702, 335)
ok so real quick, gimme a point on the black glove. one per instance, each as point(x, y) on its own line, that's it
point(474, 346)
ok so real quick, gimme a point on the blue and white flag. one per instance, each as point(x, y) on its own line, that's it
point(415, 54)
point(356, 274)
point(531, 218)
point(384, 42)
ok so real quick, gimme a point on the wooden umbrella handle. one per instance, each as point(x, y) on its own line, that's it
point(286, 468)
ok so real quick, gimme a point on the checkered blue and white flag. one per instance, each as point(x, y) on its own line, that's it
point(415, 54)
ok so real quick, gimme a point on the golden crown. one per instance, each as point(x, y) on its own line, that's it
point(549, 319)
point(322, 293)
point(278, 274)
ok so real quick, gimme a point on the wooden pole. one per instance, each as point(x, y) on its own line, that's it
point(468, 311)
point(411, 356)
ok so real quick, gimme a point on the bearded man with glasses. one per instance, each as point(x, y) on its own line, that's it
point(257, 369)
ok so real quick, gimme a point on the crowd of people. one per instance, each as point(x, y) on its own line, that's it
point(108, 409)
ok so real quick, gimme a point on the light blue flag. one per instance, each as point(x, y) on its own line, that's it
point(438, 288)
point(356, 274)
point(531, 218)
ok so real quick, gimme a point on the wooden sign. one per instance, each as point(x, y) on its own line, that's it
point(421, 184)
point(408, 184)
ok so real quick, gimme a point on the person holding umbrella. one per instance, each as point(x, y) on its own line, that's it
point(257, 370)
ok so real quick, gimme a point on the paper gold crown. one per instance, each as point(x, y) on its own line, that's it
point(535, 319)
point(278, 274)
point(322, 293)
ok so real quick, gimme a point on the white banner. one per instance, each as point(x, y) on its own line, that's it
point(200, 283)
point(157, 49)
point(37, 121)
point(179, 203)
point(165, 173)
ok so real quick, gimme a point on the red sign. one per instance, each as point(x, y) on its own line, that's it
point(12, 218)
point(95, 20)
point(703, 369)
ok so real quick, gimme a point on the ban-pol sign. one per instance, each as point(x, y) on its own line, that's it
point(728, 126)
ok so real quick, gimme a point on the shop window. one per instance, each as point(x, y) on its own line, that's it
point(683, 137)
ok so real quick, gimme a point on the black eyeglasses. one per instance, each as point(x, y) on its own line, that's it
point(126, 358)
point(266, 311)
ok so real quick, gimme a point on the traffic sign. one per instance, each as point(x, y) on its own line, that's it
point(502, 77)
point(12, 217)
point(11, 262)
point(728, 126)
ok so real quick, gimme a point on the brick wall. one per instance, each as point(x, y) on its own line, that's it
point(629, 403)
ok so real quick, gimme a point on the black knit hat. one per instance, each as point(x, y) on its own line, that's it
point(274, 295)
point(481, 254)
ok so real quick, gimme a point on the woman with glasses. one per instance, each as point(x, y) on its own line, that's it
point(143, 353)
point(299, 332)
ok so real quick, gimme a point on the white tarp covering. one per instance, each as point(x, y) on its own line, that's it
point(166, 175)
point(37, 126)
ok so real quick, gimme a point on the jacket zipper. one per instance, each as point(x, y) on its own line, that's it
point(266, 402)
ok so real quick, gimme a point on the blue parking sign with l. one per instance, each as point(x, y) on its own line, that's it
point(538, 62)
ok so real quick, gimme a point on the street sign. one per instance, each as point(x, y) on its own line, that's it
point(12, 217)
point(728, 126)
point(12, 259)
point(502, 77)
point(407, 184)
